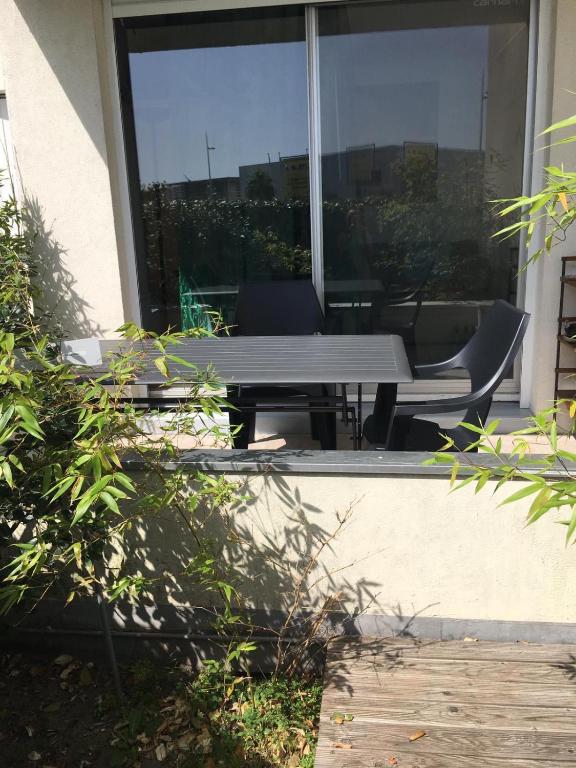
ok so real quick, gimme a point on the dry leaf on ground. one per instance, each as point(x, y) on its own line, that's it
point(161, 752)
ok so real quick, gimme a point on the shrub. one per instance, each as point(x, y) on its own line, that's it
point(66, 498)
point(551, 481)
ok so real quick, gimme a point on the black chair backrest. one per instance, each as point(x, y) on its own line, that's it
point(490, 353)
point(278, 308)
point(406, 285)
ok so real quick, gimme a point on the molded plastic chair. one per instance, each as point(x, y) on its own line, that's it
point(280, 308)
point(397, 308)
point(487, 357)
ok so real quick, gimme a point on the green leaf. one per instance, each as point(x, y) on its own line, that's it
point(87, 423)
point(77, 550)
point(484, 477)
point(29, 421)
point(110, 501)
point(491, 428)
point(182, 361)
point(82, 509)
point(571, 527)
point(524, 492)
point(6, 416)
point(13, 459)
point(160, 363)
point(554, 435)
point(77, 487)
point(454, 473)
point(567, 455)
point(464, 482)
point(125, 481)
point(567, 123)
point(61, 487)
point(440, 458)
point(473, 427)
point(538, 508)
point(7, 472)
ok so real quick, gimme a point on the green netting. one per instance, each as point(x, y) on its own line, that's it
point(194, 313)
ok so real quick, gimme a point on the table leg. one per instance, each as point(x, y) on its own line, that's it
point(359, 398)
point(246, 420)
point(384, 404)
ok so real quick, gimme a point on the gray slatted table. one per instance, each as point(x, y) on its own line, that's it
point(269, 360)
point(379, 359)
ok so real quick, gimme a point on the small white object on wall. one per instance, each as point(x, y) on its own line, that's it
point(81, 352)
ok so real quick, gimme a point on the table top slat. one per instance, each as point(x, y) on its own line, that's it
point(284, 359)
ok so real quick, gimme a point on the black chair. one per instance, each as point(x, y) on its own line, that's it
point(487, 357)
point(280, 308)
point(397, 307)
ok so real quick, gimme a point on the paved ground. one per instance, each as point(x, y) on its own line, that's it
point(431, 704)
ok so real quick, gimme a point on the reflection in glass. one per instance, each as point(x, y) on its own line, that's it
point(422, 123)
point(219, 104)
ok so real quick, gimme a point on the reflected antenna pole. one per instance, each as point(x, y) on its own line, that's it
point(208, 150)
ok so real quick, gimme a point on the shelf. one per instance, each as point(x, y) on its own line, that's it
point(566, 393)
point(569, 279)
point(565, 370)
point(568, 258)
point(567, 319)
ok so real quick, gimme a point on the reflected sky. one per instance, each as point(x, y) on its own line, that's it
point(390, 87)
point(250, 99)
point(378, 88)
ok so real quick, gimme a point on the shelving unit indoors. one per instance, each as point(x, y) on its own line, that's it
point(565, 376)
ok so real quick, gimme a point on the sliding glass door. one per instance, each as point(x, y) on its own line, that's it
point(417, 123)
point(218, 106)
point(422, 124)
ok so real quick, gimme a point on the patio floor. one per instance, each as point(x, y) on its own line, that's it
point(274, 431)
point(448, 704)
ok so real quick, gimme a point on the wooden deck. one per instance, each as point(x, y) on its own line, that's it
point(497, 705)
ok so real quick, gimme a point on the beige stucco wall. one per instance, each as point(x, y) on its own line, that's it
point(2, 80)
point(409, 547)
point(51, 76)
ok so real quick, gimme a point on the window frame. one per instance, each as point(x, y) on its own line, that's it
point(519, 387)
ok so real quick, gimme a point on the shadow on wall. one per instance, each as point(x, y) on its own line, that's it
point(59, 297)
point(64, 32)
point(289, 561)
point(291, 587)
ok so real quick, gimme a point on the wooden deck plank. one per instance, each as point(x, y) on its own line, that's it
point(457, 715)
point(465, 692)
point(501, 745)
point(406, 669)
point(361, 647)
point(505, 705)
point(341, 758)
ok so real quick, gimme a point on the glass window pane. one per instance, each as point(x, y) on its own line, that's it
point(219, 105)
point(422, 124)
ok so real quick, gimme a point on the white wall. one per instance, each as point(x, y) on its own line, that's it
point(2, 82)
point(409, 547)
point(52, 79)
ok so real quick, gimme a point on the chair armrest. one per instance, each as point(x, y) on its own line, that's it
point(431, 369)
point(446, 405)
